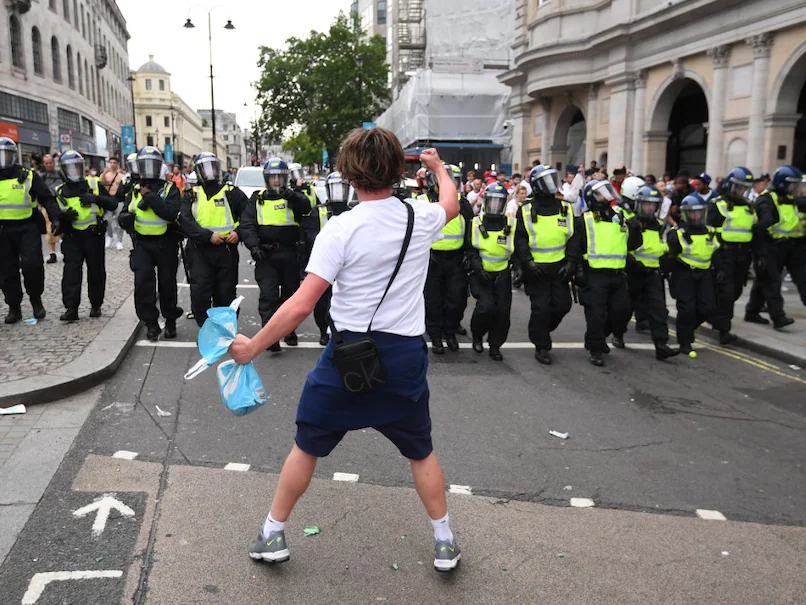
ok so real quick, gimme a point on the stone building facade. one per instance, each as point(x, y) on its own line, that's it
point(659, 85)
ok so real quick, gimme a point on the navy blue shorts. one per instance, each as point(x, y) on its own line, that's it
point(411, 435)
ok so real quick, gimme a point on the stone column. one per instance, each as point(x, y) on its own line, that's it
point(520, 115)
point(591, 124)
point(716, 112)
point(545, 145)
point(637, 163)
point(762, 44)
point(619, 112)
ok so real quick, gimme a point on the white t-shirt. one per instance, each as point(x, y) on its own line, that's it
point(357, 252)
point(512, 208)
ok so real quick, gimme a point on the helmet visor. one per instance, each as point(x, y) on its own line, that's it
point(802, 190)
point(546, 183)
point(131, 163)
point(73, 169)
point(494, 202)
point(338, 191)
point(8, 157)
point(694, 216)
point(737, 191)
point(149, 168)
point(431, 182)
point(209, 170)
point(296, 174)
point(792, 186)
point(276, 179)
point(605, 193)
point(647, 208)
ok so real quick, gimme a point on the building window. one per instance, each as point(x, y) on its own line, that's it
point(17, 54)
point(167, 140)
point(148, 120)
point(66, 5)
point(150, 141)
point(20, 108)
point(167, 122)
point(71, 76)
point(56, 59)
point(68, 121)
point(162, 84)
point(87, 127)
point(36, 49)
point(80, 75)
point(83, 24)
point(148, 84)
point(381, 12)
point(75, 16)
point(52, 5)
point(86, 78)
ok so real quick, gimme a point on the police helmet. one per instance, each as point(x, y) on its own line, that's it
point(191, 181)
point(150, 164)
point(737, 185)
point(207, 167)
point(629, 189)
point(71, 166)
point(647, 202)
point(8, 153)
point(296, 173)
point(801, 195)
point(337, 188)
point(275, 175)
point(786, 180)
point(431, 181)
point(545, 181)
point(420, 177)
point(693, 210)
point(600, 195)
point(131, 163)
point(456, 173)
point(495, 199)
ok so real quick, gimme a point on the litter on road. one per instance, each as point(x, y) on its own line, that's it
point(14, 409)
point(30, 322)
point(558, 434)
point(161, 412)
point(312, 531)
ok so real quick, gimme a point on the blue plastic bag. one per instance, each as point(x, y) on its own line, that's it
point(241, 388)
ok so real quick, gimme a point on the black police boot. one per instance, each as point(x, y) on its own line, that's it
point(324, 339)
point(597, 359)
point(14, 315)
point(542, 356)
point(437, 347)
point(664, 351)
point(95, 311)
point(685, 349)
point(153, 331)
point(170, 329)
point(39, 308)
point(451, 342)
point(618, 342)
point(461, 331)
point(495, 354)
point(726, 338)
point(478, 345)
point(782, 322)
point(275, 348)
point(755, 318)
point(51, 259)
point(642, 326)
point(606, 349)
point(291, 340)
point(69, 315)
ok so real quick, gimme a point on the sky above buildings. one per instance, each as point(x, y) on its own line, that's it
point(155, 27)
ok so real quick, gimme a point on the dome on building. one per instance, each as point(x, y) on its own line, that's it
point(152, 66)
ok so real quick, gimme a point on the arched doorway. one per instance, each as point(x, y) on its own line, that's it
point(568, 150)
point(688, 140)
point(799, 149)
point(787, 108)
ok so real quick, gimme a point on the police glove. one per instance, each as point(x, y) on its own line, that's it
point(581, 279)
point(126, 221)
point(534, 271)
point(719, 276)
point(687, 237)
point(566, 272)
point(143, 204)
point(288, 194)
point(68, 217)
point(762, 265)
point(87, 200)
point(259, 254)
point(634, 223)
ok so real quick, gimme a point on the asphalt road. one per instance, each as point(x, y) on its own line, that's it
point(652, 442)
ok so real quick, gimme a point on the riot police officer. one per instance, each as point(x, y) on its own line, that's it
point(21, 224)
point(492, 243)
point(149, 215)
point(309, 223)
point(692, 244)
point(270, 227)
point(545, 225)
point(83, 201)
point(732, 217)
point(629, 190)
point(645, 282)
point(209, 217)
point(446, 284)
point(777, 246)
point(603, 237)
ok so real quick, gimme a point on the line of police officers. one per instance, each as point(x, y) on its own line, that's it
point(614, 258)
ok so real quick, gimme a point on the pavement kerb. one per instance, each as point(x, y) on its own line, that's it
point(96, 363)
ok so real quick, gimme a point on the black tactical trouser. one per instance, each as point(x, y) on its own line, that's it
point(607, 307)
point(789, 254)
point(278, 278)
point(321, 310)
point(155, 261)
point(21, 248)
point(731, 267)
point(445, 293)
point(648, 292)
point(693, 289)
point(493, 294)
point(80, 247)
point(551, 302)
point(213, 277)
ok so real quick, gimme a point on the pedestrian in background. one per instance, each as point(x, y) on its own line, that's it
point(178, 178)
point(378, 271)
point(52, 179)
point(111, 179)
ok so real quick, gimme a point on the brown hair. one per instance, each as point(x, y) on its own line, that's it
point(371, 159)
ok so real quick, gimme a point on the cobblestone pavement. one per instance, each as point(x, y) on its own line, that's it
point(13, 429)
point(30, 350)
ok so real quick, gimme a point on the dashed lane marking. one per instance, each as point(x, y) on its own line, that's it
point(125, 455)
point(247, 286)
point(461, 489)
point(237, 466)
point(348, 477)
point(174, 344)
point(38, 583)
point(710, 515)
point(582, 502)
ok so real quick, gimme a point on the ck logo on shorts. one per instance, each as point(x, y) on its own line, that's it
point(364, 379)
point(279, 206)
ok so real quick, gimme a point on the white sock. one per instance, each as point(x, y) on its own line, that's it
point(442, 529)
point(271, 525)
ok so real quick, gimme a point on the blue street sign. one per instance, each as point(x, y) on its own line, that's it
point(127, 136)
point(370, 124)
point(168, 153)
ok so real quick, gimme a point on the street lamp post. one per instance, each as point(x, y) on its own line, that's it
point(360, 60)
point(173, 131)
point(189, 25)
point(131, 79)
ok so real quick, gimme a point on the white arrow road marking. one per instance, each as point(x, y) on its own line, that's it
point(37, 584)
point(104, 506)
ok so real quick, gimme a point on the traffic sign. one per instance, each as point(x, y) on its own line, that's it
point(64, 139)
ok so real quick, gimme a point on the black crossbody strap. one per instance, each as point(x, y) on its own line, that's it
point(337, 337)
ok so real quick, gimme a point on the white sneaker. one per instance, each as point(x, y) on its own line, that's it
point(108, 242)
point(119, 245)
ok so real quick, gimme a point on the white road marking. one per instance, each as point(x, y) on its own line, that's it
point(582, 502)
point(461, 489)
point(710, 515)
point(179, 344)
point(237, 466)
point(349, 477)
point(37, 584)
point(249, 286)
point(103, 507)
point(125, 455)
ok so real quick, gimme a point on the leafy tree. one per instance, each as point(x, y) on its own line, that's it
point(311, 87)
point(304, 150)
